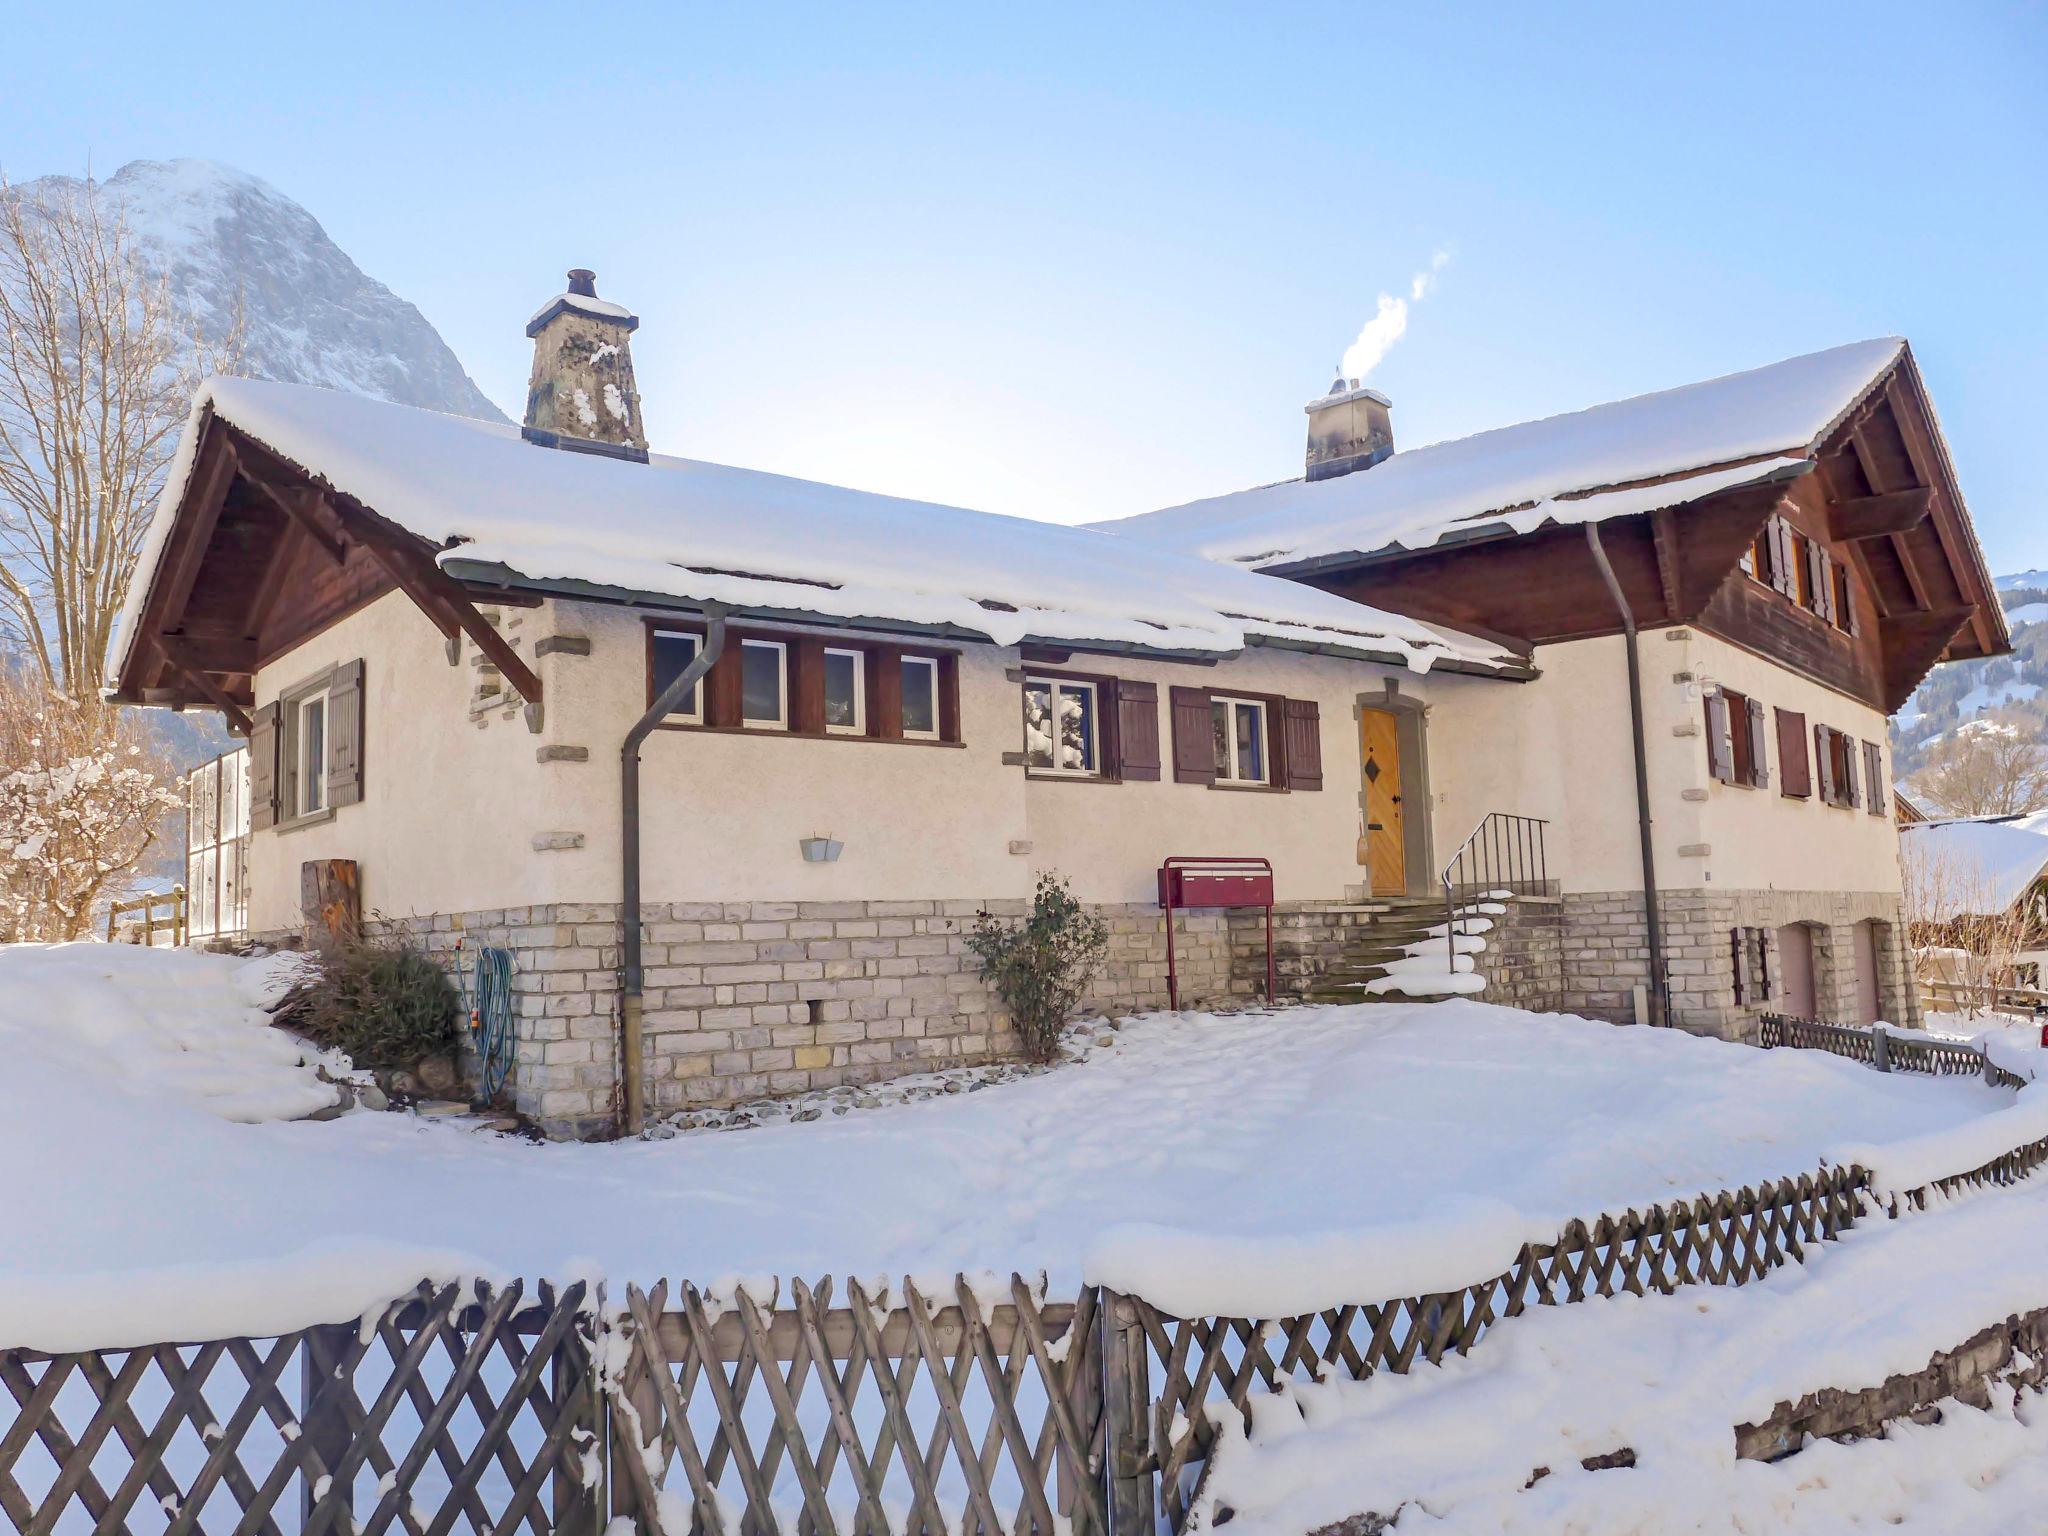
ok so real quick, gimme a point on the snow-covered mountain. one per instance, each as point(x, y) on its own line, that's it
point(310, 315)
point(1958, 691)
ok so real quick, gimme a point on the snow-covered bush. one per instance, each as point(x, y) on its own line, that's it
point(385, 1004)
point(83, 801)
point(1041, 967)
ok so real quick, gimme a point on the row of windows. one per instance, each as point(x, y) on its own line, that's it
point(1737, 753)
point(1787, 561)
point(1075, 725)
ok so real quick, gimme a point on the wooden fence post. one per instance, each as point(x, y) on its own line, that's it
point(576, 1511)
point(630, 1433)
point(1126, 1417)
point(1881, 1056)
point(324, 1428)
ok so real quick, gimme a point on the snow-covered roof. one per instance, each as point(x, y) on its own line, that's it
point(680, 529)
point(1582, 467)
point(1981, 865)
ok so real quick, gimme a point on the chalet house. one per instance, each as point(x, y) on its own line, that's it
point(530, 678)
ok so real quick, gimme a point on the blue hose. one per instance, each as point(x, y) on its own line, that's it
point(487, 990)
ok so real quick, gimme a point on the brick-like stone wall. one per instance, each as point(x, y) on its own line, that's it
point(1523, 962)
point(1607, 953)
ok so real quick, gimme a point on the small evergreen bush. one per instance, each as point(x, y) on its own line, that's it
point(386, 1005)
point(1041, 967)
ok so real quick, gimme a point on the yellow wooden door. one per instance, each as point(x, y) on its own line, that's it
point(1386, 847)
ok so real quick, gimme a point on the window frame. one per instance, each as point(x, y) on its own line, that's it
point(781, 648)
point(290, 773)
point(695, 714)
point(860, 689)
point(930, 662)
point(1233, 779)
point(720, 693)
point(1060, 684)
point(309, 770)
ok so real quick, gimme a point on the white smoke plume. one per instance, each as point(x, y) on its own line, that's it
point(1390, 322)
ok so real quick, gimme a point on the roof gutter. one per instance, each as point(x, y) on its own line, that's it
point(632, 1069)
point(1660, 985)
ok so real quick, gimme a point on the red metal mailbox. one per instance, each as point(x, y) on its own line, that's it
point(1188, 880)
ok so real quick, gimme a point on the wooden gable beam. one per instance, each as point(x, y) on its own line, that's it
point(1866, 456)
point(270, 588)
point(1930, 466)
point(1913, 643)
point(186, 661)
point(1664, 536)
point(1880, 516)
point(203, 502)
point(299, 507)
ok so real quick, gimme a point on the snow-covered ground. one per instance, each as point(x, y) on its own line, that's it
point(2008, 1039)
point(1368, 1149)
point(1670, 1377)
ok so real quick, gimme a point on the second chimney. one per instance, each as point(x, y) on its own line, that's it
point(1348, 428)
point(581, 394)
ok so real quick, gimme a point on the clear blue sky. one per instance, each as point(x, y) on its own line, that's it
point(1081, 260)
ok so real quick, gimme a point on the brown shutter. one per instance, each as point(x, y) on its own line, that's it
point(1736, 953)
point(1302, 729)
point(1847, 748)
point(345, 734)
point(1137, 730)
point(1817, 576)
point(1823, 762)
point(1759, 764)
point(1795, 771)
point(1720, 755)
point(263, 737)
point(1873, 778)
point(1194, 738)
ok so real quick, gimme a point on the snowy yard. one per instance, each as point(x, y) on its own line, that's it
point(1378, 1150)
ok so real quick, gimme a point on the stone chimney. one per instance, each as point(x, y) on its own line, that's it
point(581, 395)
point(1348, 429)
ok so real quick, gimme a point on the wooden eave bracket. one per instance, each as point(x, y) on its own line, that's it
point(1880, 516)
point(178, 655)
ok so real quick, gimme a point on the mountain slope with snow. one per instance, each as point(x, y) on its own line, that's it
point(227, 242)
point(1955, 693)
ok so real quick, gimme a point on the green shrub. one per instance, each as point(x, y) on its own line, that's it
point(386, 1005)
point(1041, 967)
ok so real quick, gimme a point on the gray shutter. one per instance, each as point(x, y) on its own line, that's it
point(1137, 730)
point(1302, 736)
point(1720, 753)
point(1759, 764)
point(1784, 552)
point(345, 734)
point(263, 742)
point(1849, 796)
point(1194, 738)
point(1873, 775)
point(1824, 764)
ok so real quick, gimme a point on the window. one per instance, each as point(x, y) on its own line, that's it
point(1751, 952)
point(1736, 753)
point(1759, 560)
point(671, 651)
point(1844, 615)
point(1834, 754)
point(846, 705)
point(309, 766)
point(1062, 726)
point(921, 698)
point(764, 673)
point(1239, 731)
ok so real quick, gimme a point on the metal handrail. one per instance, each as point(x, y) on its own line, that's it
point(1501, 842)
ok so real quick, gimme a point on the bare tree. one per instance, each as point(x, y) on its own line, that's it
point(1966, 946)
point(1992, 766)
point(84, 796)
point(97, 366)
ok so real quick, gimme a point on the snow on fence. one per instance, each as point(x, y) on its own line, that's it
point(984, 1413)
point(1887, 1050)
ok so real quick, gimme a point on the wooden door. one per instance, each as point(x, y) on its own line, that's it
point(1385, 854)
point(1795, 970)
point(1864, 1010)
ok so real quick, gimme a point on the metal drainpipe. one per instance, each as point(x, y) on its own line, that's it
point(1660, 989)
point(629, 836)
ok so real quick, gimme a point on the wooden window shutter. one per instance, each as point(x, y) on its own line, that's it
point(1784, 555)
point(1795, 770)
point(1823, 761)
point(1738, 952)
point(263, 742)
point(1759, 764)
point(1873, 778)
point(1194, 738)
point(1847, 748)
point(1137, 730)
point(1720, 751)
point(1817, 563)
point(345, 734)
point(1302, 728)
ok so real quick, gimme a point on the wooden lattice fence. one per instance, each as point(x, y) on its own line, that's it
point(974, 1414)
point(1887, 1050)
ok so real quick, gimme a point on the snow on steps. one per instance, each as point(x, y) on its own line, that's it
point(1412, 959)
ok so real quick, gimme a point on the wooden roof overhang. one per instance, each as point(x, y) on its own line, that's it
point(262, 554)
point(1878, 483)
